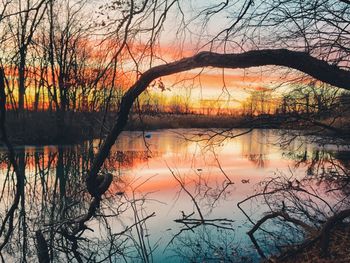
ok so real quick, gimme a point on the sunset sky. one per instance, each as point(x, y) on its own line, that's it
point(225, 88)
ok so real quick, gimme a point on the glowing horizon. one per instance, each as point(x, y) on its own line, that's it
point(224, 89)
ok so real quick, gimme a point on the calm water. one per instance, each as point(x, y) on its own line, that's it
point(159, 178)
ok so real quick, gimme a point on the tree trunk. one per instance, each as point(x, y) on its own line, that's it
point(21, 82)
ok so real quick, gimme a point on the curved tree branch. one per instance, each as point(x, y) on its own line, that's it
point(303, 62)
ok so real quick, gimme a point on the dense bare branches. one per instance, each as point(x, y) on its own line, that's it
point(298, 60)
point(79, 61)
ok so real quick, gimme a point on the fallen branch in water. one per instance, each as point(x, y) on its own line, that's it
point(315, 229)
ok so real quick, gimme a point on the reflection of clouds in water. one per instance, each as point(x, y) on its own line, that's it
point(55, 177)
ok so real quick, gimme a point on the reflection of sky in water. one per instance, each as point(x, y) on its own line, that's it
point(250, 157)
point(145, 165)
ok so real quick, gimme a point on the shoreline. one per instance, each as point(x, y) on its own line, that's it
point(40, 128)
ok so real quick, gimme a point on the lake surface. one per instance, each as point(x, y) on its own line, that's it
point(165, 183)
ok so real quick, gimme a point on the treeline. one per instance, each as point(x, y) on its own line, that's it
point(63, 57)
point(54, 59)
point(307, 100)
point(308, 108)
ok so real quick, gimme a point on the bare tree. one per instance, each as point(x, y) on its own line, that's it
point(26, 17)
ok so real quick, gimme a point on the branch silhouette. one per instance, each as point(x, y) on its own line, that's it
point(301, 61)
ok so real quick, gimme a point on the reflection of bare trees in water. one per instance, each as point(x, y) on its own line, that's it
point(327, 167)
point(301, 213)
point(215, 137)
point(52, 221)
point(203, 237)
point(8, 222)
point(44, 200)
point(128, 159)
point(57, 222)
point(60, 222)
point(258, 159)
point(210, 245)
point(287, 214)
point(255, 147)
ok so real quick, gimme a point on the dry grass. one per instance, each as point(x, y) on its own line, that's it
point(37, 128)
point(173, 121)
point(41, 127)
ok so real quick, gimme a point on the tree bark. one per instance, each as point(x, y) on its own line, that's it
point(21, 80)
point(303, 62)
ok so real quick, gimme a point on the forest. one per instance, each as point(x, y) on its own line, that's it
point(174, 131)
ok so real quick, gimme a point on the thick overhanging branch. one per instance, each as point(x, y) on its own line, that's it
point(303, 62)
